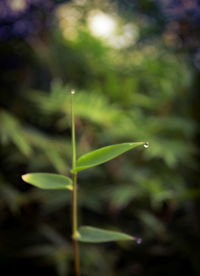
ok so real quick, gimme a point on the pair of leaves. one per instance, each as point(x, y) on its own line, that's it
point(94, 158)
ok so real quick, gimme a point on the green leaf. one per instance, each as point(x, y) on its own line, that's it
point(103, 155)
point(96, 235)
point(48, 181)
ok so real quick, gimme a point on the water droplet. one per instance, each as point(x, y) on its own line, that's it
point(72, 91)
point(146, 145)
point(138, 240)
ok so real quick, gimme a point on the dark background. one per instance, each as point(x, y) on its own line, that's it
point(139, 82)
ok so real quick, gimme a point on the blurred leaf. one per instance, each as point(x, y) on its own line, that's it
point(54, 149)
point(103, 112)
point(51, 202)
point(103, 155)
point(51, 234)
point(11, 130)
point(152, 222)
point(42, 250)
point(48, 181)
point(96, 235)
point(12, 197)
point(120, 196)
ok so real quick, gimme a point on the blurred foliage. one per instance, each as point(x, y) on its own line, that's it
point(138, 90)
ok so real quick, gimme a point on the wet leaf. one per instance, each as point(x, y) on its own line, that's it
point(103, 155)
point(97, 235)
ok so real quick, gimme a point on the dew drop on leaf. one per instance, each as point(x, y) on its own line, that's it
point(146, 145)
point(138, 240)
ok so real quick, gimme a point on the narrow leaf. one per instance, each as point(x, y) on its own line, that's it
point(96, 235)
point(103, 155)
point(48, 181)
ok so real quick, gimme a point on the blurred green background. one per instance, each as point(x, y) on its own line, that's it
point(135, 68)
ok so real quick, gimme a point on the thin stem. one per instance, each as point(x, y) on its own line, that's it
point(74, 205)
point(76, 258)
point(74, 198)
point(74, 217)
point(73, 131)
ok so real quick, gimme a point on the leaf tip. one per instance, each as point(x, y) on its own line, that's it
point(25, 177)
point(138, 240)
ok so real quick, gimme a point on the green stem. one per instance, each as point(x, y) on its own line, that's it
point(74, 204)
point(74, 198)
point(73, 132)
